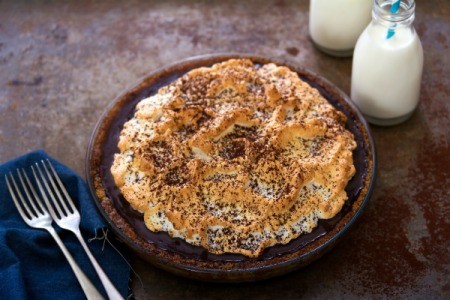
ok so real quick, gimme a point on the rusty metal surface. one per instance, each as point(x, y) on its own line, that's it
point(62, 63)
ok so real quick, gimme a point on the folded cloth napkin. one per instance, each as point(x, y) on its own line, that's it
point(32, 266)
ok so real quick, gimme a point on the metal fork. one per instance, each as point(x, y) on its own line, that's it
point(39, 218)
point(68, 217)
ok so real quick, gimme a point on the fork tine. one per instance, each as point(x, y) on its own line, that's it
point(44, 195)
point(19, 193)
point(24, 186)
point(61, 185)
point(33, 191)
point(15, 200)
point(55, 188)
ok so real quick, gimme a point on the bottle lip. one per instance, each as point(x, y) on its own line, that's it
point(381, 10)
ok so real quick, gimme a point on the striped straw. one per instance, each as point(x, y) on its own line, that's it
point(394, 10)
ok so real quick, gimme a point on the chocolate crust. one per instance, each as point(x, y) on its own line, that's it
point(226, 269)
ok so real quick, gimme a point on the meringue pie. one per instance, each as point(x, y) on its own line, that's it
point(235, 158)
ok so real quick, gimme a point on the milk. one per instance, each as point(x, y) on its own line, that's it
point(386, 73)
point(335, 25)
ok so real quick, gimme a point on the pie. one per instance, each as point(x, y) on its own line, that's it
point(236, 157)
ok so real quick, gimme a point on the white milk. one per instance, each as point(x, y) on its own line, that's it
point(387, 73)
point(335, 25)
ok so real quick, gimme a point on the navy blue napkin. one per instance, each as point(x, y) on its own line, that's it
point(31, 264)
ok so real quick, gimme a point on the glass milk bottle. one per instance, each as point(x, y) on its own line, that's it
point(387, 64)
point(335, 25)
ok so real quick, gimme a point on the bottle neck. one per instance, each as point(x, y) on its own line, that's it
point(381, 13)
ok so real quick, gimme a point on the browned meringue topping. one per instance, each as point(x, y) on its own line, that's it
point(235, 158)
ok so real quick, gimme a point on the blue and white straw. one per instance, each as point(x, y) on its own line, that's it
point(394, 10)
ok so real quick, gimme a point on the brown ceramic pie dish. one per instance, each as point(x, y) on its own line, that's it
point(179, 257)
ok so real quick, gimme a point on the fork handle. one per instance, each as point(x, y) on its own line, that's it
point(89, 289)
point(111, 291)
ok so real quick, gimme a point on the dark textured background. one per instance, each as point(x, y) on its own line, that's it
point(61, 64)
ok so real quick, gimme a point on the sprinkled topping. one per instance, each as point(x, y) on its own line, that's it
point(235, 158)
